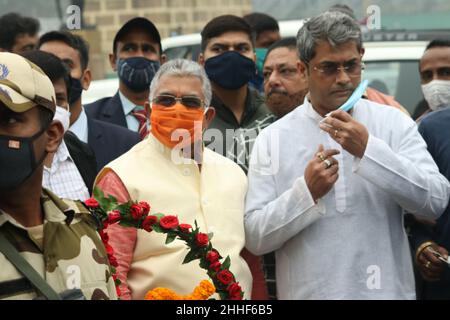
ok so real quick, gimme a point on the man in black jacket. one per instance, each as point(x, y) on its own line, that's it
point(71, 171)
point(137, 56)
point(108, 141)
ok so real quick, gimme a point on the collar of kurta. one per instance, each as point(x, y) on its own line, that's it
point(169, 153)
point(313, 114)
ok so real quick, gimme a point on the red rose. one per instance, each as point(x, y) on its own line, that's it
point(136, 211)
point(202, 239)
point(169, 222)
point(114, 217)
point(113, 261)
point(145, 207)
point(92, 203)
point(185, 227)
point(109, 250)
point(215, 266)
point(118, 292)
point(235, 291)
point(104, 236)
point(225, 276)
point(212, 256)
point(149, 222)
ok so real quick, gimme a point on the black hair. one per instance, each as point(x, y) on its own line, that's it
point(45, 117)
point(290, 43)
point(52, 66)
point(436, 43)
point(72, 40)
point(12, 24)
point(223, 24)
point(260, 22)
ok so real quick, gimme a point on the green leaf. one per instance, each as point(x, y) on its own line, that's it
point(191, 256)
point(226, 264)
point(112, 204)
point(210, 235)
point(204, 264)
point(98, 193)
point(223, 295)
point(170, 238)
point(158, 229)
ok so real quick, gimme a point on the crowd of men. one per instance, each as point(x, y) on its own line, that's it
point(307, 200)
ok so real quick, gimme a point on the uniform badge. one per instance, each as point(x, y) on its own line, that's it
point(14, 144)
point(4, 71)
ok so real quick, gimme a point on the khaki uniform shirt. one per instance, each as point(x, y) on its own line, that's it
point(66, 251)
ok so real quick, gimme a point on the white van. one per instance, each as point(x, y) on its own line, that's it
point(188, 46)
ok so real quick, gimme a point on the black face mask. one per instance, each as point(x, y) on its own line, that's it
point(75, 90)
point(17, 160)
point(230, 70)
point(137, 72)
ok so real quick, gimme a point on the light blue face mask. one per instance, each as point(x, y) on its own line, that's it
point(356, 95)
point(261, 54)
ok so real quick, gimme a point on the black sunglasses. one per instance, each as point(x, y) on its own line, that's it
point(167, 100)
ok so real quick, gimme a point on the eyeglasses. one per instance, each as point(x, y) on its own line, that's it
point(351, 68)
point(168, 100)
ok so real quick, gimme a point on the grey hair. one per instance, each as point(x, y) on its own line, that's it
point(333, 26)
point(183, 68)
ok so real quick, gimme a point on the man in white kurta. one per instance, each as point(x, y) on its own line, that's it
point(349, 243)
point(208, 188)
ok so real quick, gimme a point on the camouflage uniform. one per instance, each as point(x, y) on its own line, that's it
point(71, 255)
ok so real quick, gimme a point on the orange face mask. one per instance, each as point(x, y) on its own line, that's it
point(177, 125)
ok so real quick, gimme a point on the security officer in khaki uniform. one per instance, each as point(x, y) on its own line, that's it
point(48, 246)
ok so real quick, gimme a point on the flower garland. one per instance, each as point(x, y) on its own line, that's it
point(201, 292)
point(107, 211)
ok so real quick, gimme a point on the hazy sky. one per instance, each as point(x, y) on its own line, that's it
point(408, 14)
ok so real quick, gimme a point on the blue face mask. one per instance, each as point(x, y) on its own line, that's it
point(230, 70)
point(137, 72)
point(261, 54)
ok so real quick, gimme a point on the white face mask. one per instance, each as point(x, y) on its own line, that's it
point(437, 93)
point(62, 115)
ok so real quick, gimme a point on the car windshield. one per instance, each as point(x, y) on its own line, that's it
point(399, 79)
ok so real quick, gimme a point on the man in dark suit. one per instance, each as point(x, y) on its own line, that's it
point(137, 56)
point(83, 157)
point(108, 141)
point(431, 239)
point(70, 172)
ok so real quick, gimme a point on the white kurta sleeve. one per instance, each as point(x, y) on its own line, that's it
point(272, 219)
point(405, 170)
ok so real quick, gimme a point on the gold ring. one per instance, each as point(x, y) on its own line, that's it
point(321, 157)
point(427, 265)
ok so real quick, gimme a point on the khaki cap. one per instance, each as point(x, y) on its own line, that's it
point(23, 85)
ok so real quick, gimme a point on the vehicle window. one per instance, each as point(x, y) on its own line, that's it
point(396, 78)
point(189, 52)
